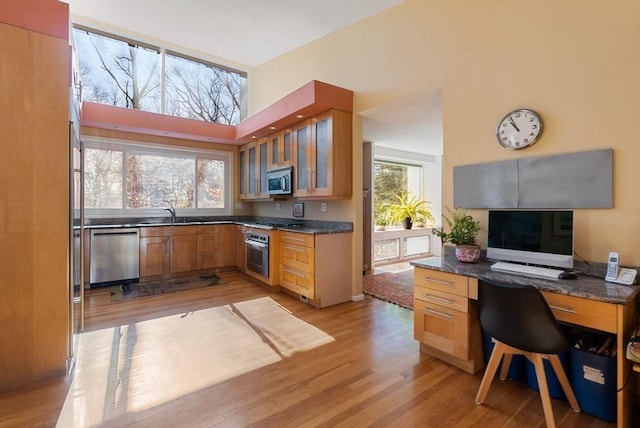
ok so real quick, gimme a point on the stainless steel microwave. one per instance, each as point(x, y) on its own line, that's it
point(280, 181)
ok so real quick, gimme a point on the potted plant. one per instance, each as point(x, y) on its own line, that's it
point(463, 230)
point(380, 224)
point(407, 210)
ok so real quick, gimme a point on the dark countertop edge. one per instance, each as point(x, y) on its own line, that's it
point(316, 227)
point(585, 286)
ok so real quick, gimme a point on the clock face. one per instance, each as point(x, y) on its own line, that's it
point(520, 128)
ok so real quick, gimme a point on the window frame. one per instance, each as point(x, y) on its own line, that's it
point(138, 147)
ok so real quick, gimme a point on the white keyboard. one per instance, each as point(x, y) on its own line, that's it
point(526, 269)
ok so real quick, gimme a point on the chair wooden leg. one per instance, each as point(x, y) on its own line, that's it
point(490, 372)
point(564, 382)
point(506, 363)
point(536, 359)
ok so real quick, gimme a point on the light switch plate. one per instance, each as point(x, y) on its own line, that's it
point(323, 206)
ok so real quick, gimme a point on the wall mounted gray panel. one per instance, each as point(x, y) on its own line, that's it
point(574, 180)
point(486, 185)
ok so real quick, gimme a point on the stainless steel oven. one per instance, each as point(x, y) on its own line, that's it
point(258, 253)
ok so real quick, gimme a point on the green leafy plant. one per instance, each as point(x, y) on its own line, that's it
point(463, 229)
point(408, 206)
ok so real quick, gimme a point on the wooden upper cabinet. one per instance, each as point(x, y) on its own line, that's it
point(253, 159)
point(323, 150)
point(281, 149)
point(320, 150)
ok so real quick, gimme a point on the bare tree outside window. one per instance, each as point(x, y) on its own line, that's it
point(103, 178)
point(153, 181)
point(125, 74)
point(118, 73)
point(199, 91)
point(210, 183)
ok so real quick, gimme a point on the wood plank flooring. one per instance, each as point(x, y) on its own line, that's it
point(371, 375)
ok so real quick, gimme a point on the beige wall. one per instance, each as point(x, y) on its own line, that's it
point(576, 62)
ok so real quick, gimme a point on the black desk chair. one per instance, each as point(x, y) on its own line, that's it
point(521, 323)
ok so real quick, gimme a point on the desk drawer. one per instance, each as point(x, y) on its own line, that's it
point(444, 299)
point(443, 281)
point(588, 313)
point(446, 330)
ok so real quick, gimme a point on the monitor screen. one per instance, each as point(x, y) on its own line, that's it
point(535, 237)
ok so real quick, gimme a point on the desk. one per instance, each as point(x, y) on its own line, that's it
point(447, 326)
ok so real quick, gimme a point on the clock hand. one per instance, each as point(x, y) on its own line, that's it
point(513, 124)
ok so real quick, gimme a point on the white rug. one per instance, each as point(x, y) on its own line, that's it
point(138, 366)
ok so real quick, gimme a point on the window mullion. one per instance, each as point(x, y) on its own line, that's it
point(163, 74)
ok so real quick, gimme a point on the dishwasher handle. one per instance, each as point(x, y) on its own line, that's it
point(135, 232)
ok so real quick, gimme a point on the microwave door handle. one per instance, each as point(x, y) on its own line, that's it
point(283, 183)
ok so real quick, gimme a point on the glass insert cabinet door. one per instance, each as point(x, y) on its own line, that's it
point(322, 154)
point(243, 172)
point(252, 170)
point(264, 183)
point(281, 149)
point(302, 155)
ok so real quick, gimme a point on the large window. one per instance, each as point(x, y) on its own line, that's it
point(137, 180)
point(129, 74)
point(391, 179)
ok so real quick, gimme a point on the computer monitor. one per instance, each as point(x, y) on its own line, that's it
point(533, 237)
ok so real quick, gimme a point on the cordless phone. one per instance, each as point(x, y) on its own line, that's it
point(621, 276)
point(612, 267)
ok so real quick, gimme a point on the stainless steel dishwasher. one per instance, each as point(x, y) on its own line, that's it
point(115, 256)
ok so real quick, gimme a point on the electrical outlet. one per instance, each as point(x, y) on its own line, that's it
point(323, 206)
point(277, 206)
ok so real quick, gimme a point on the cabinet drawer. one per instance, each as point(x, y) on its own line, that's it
point(297, 281)
point(298, 257)
point(588, 313)
point(447, 300)
point(442, 328)
point(443, 281)
point(210, 228)
point(302, 239)
point(167, 231)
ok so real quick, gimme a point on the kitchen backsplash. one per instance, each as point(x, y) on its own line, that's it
point(337, 209)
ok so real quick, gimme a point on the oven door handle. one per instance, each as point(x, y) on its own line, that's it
point(256, 244)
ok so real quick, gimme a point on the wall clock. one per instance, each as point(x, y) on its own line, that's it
point(519, 129)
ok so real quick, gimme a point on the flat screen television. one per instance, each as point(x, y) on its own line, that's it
point(534, 237)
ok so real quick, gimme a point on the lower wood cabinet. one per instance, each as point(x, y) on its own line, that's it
point(216, 246)
point(167, 250)
point(445, 320)
point(316, 267)
point(241, 250)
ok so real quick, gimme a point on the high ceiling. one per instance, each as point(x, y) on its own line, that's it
point(247, 33)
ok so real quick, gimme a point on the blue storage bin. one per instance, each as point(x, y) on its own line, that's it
point(517, 361)
point(593, 378)
point(555, 389)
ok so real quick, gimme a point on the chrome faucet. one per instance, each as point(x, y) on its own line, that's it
point(172, 210)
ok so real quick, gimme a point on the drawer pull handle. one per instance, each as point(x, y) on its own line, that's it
point(563, 309)
point(431, 311)
point(439, 281)
point(296, 249)
point(437, 298)
point(293, 238)
point(292, 272)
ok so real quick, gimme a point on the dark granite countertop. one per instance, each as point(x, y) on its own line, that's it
point(585, 286)
point(314, 227)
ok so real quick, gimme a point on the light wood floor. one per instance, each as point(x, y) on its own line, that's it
point(371, 375)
